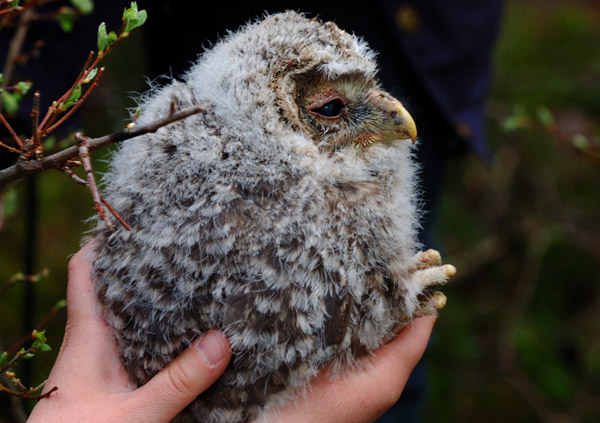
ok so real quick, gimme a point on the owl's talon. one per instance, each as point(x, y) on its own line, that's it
point(449, 270)
point(428, 258)
point(438, 300)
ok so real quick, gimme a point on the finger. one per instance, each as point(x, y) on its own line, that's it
point(186, 377)
point(85, 324)
point(408, 347)
point(81, 298)
point(88, 348)
point(393, 363)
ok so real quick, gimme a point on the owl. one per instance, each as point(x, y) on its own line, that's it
point(285, 216)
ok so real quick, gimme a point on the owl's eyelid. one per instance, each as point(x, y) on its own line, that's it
point(324, 101)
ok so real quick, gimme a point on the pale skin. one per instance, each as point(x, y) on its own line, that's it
point(93, 385)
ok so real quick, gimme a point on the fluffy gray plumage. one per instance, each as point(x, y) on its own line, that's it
point(285, 216)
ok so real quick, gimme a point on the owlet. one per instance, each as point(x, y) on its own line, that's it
point(285, 216)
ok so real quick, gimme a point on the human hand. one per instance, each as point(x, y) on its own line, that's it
point(364, 394)
point(93, 385)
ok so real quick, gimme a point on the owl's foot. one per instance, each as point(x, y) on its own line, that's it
point(428, 271)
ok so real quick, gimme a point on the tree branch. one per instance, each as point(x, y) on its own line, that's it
point(57, 161)
point(27, 394)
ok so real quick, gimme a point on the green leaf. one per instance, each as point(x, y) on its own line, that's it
point(15, 3)
point(112, 37)
point(44, 348)
point(10, 102)
point(72, 99)
point(580, 142)
point(4, 359)
point(40, 341)
point(66, 17)
point(60, 304)
point(133, 18)
point(518, 120)
point(1, 78)
point(545, 116)
point(28, 356)
point(90, 76)
point(23, 87)
point(105, 40)
point(39, 336)
point(84, 6)
point(102, 38)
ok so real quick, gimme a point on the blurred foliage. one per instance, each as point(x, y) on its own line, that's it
point(519, 339)
point(63, 208)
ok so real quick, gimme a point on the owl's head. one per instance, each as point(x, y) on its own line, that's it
point(349, 110)
point(291, 72)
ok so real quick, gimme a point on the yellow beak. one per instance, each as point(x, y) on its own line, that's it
point(398, 124)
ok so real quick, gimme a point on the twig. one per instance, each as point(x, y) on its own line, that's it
point(12, 10)
point(67, 171)
point(17, 356)
point(53, 109)
point(77, 105)
point(11, 149)
point(35, 113)
point(58, 160)
point(84, 153)
point(20, 277)
point(27, 393)
point(16, 45)
point(85, 72)
point(12, 133)
point(25, 338)
point(33, 51)
point(115, 214)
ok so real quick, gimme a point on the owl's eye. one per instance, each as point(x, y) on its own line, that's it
point(330, 109)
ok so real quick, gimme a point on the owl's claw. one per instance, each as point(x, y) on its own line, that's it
point(438, 300)
point(426, 259)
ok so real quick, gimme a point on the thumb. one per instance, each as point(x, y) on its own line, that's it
point(186, 377)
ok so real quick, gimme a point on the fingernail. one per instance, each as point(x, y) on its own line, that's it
point(211, 348)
